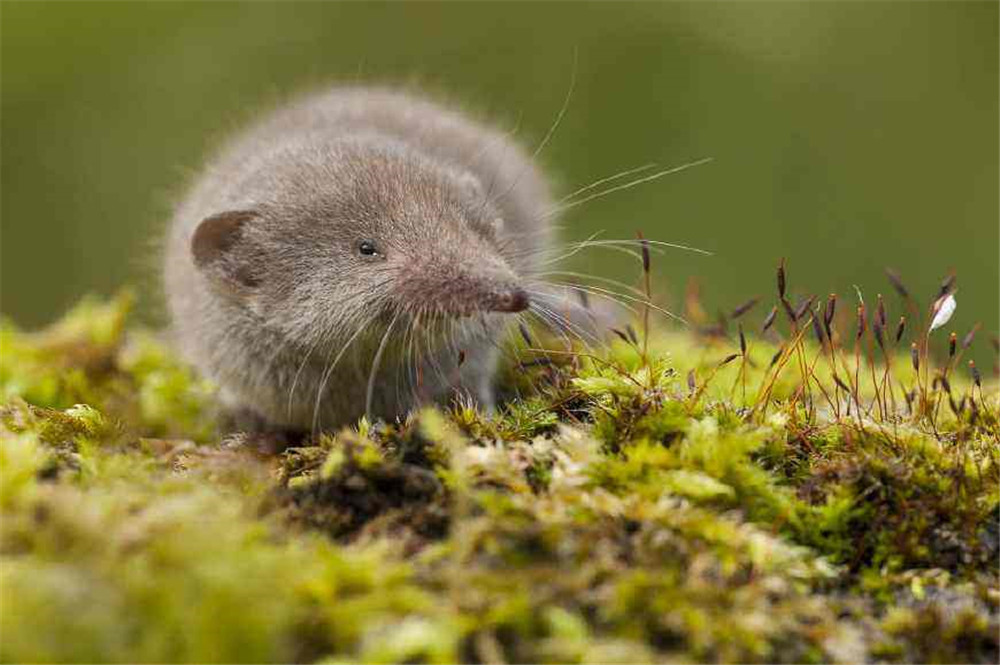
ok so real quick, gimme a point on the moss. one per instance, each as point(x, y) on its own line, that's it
point(136, 561)
point(664, 504)
point(89, 357)
point(355, 487)
point(953, 626)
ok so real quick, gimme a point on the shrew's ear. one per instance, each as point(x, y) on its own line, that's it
point(215, 247)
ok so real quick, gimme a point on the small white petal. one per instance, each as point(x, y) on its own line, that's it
point(944, 308)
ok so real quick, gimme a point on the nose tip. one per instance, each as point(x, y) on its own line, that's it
point(512, 300)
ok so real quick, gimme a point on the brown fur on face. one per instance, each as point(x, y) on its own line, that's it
point(355, 226)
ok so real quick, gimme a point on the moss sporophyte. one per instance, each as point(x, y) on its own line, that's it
point(810, 493)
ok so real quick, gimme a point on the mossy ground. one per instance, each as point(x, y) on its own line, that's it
point(650, 502)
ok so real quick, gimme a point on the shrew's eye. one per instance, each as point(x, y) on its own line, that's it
point(367, 248)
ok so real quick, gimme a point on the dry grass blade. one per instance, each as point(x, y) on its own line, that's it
point(817, 330)
point(969, 336)
point(621, 335)
point(900, 328)
point(644, 245)
point(828, 314)
point(769, 319)
point(525, 335)
point(880, 311)
point(897, 283)
point(789, 311)
point(977, 378)
point(744, 308)
point(728, 359)
point(632, 336)
point(947, 285)
point(803, 306)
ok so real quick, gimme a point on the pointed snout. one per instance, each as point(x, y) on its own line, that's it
point(512, 299)
point(461, 286)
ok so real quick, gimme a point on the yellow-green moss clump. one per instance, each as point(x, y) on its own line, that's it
point(650, 502)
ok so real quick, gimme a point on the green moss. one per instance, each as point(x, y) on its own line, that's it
point(628, 506)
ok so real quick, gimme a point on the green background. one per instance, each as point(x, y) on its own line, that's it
point(846, 136)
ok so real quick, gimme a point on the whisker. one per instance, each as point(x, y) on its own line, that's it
point(598, 183)
point(533, 251)
point(484, 150)
point(640, 301)
point(646, 241)
point(566, 324)
point(370, 392)
point(582, 275)
point(545, 317)
point(414, 359)
point(554, 301)
point(552, 130)
point(328, 371)
point(588, 290)
point(298, 373)
point(624, 250)
point(628, 185)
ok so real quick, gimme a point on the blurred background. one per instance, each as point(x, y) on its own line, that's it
point(846, 136)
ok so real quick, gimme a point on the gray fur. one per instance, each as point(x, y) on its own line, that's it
point(279, 288)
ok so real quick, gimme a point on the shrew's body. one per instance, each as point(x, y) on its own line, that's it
point(347, 251)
